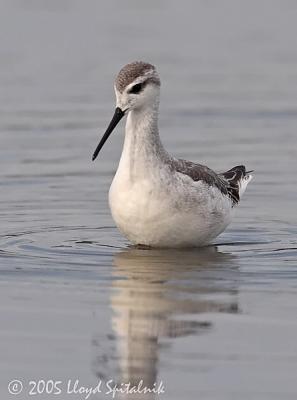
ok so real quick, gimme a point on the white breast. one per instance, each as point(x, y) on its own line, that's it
point(172, 211)
point(154, 205)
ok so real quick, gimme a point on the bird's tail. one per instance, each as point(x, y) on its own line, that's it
point(238, 179)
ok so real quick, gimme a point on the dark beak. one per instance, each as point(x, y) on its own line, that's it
point(117, 116)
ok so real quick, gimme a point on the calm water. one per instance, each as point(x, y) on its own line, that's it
point(76, 301)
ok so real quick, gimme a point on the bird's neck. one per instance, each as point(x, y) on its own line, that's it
point(143, 150)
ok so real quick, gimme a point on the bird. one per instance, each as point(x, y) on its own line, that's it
point(157, 200)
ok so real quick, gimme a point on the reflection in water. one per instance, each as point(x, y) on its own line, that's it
point(162, 294)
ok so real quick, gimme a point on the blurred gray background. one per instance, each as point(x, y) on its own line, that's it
point(229, 96)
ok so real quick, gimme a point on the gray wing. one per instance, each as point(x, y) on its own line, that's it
point(227, 182)
point(200, 172)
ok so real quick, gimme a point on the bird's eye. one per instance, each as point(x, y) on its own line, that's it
point(136, 88)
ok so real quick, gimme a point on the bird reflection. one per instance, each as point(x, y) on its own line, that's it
point(157, 297)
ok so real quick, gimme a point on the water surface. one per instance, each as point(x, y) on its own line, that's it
point(77, 302)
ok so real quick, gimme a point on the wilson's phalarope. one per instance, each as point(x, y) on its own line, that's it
point(155, 199)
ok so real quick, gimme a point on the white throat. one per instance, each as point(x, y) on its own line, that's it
point(143, 151)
